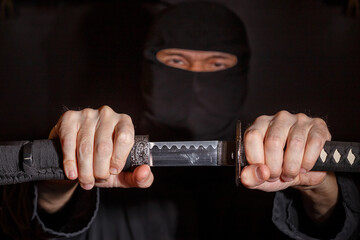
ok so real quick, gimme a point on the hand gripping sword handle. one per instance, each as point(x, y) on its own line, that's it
point(334, 157)
point(25, 161)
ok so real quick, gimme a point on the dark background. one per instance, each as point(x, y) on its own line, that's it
point(56, 55)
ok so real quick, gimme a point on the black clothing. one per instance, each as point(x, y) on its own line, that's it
point(151, 214)
point(194, 105)
point(199, 26)
point(182, 204)
point(289, 215)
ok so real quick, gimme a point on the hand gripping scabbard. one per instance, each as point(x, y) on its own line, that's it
point(25, 161)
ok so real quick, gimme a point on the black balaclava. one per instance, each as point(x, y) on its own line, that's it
point(186, 105)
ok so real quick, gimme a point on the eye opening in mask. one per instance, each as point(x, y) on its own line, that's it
point(196, 60)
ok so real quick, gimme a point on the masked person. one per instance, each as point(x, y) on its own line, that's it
point(195, 73)
point(194, 83)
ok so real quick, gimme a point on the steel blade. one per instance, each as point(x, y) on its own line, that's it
point(195, 153)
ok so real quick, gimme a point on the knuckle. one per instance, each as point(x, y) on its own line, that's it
point(297, 143)
point(68, 116)
point(262, 118)
point(316, 140)
point(85, 148)
point(283, 114)
point(104, 148)
point(126, 118)
point(88, 112)
point(106, 111)
point(274, 142)
point(252, 135)
point(126, 138)
point(319, 122)
point(301, 117)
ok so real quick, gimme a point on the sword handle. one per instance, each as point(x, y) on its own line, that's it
point(339, 157)
point(334, 157)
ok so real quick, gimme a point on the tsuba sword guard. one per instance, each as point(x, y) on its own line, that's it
point(238, 154)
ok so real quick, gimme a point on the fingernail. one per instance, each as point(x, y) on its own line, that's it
point(72, 174)
point(259, 174)
point(113, 171)
point(303, 170)
point(87, 186)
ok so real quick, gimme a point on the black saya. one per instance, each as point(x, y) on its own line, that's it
point(25, 161)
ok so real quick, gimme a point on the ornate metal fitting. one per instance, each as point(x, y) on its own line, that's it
point(140, 153)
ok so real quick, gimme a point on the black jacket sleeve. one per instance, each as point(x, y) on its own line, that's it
point(289, 215)
point(21, 218)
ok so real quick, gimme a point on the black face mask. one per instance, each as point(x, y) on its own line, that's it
point(185, 105)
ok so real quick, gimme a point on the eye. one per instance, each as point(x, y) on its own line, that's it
point(219, 65)
point(175, 61)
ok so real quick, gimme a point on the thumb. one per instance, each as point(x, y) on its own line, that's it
point(254, 175)
point(142, 177)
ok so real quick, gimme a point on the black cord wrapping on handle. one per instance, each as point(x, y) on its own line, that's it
point(339, 157)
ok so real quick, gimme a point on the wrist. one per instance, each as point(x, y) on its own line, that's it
point(53, 195)
point(320, 200)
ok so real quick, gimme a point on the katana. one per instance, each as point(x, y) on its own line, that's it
point(25, 161)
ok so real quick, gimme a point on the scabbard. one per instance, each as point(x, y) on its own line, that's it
point(25, 161)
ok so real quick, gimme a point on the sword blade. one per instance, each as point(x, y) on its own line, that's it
point(335, 156)
point(196, 153)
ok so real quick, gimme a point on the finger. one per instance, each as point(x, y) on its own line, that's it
point(295, 148)
point(254, 175)
point(317, 137)
point(85, 146)
point(254, 140)
point(103, 145)
point(66, 129)
point(275, 140)
point(142, 177)
point(123, 141)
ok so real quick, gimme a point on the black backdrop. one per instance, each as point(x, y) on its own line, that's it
point(74, 54)
point(56, 55)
